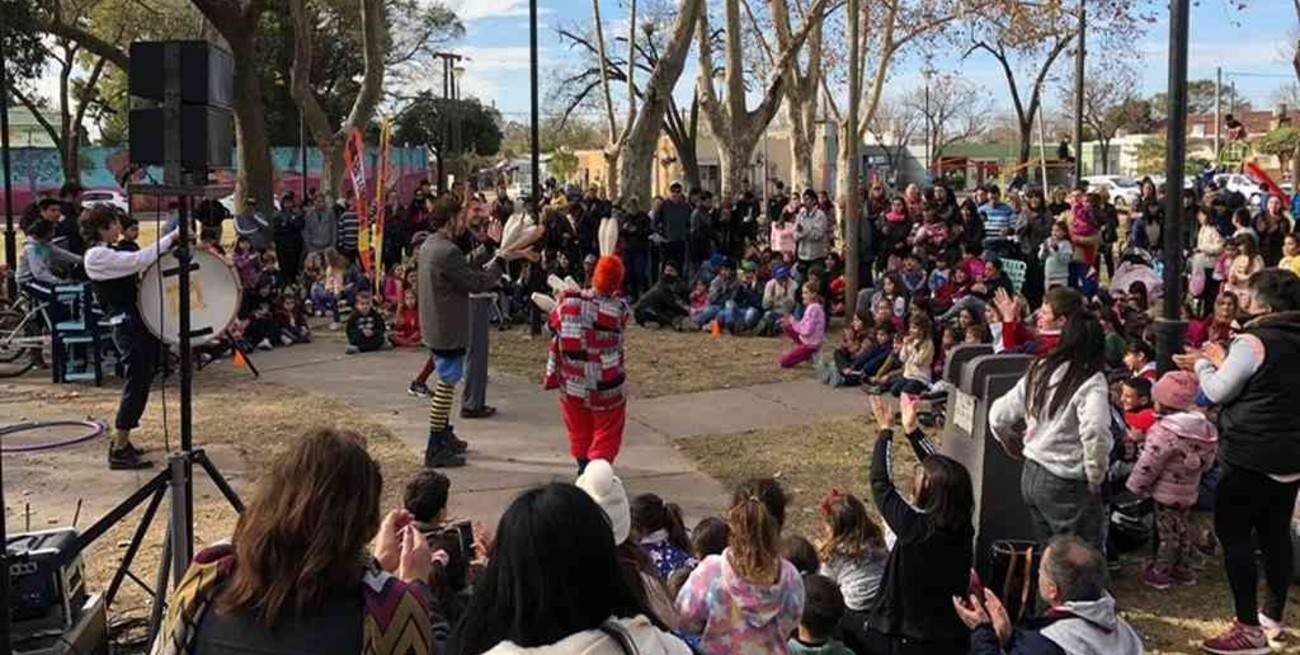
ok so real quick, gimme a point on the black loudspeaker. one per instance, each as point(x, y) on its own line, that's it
point(207, 72)
point(206, 135)
point(200, 79)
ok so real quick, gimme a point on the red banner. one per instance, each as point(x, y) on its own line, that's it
point(354, 158)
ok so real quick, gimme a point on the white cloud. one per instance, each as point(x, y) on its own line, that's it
point(472, 10)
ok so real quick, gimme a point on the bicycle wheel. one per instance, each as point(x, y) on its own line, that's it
point(16, 359)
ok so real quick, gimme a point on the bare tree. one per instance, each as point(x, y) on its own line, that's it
point(374, 39)
point(956, 111)
point(893, 126)
point(1109, 98)
point(736, 127)
point(1034, 38)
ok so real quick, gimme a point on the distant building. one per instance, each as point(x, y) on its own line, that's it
point(27, 132)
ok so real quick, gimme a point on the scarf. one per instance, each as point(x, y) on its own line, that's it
point(398, 617)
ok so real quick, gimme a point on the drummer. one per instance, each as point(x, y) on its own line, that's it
point(113, 275)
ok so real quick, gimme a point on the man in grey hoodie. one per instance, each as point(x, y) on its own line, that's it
point(320, 229)
point(1080, 617)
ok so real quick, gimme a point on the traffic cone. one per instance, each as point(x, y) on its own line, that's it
point(238, 359)
point(717, 329)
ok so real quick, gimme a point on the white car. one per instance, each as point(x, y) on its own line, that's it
point(1238, 183)
point(1189, 181)
point(229, 203)
point(1122, 189)
point(109, 197)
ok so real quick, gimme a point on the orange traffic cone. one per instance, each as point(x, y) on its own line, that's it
point(238, 359)
point(717, 329)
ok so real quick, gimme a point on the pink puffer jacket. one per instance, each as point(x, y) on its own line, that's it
point(1177, 450)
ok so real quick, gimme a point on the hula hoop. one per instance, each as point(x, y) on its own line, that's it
point(97, 429)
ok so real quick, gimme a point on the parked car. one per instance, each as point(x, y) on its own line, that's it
point(109, 197)
point(1189, 181)
point(229, 203)
point(1122, 189)
point(1239, 183)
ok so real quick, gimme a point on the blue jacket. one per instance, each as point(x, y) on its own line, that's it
point(984, 641)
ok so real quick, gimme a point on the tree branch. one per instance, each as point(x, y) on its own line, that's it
point(94, 44)
point(35, 108)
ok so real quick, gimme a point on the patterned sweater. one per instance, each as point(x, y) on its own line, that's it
point(586, 353)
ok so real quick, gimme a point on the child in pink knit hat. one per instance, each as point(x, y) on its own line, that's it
point(1178, 449)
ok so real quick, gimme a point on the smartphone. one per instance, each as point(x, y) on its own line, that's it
point(976, 586)
point(465, 534)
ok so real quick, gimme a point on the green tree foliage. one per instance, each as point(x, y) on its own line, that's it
point(563, 164)
point(554, 133)
point(1151, 158)
point(1200, 100)
point(456, 127)
point(1283, 143)
point(20, 29)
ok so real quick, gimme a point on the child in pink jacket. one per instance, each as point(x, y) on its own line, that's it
point(1177, 450)
point(809, 332)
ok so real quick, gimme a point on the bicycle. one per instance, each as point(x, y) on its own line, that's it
point(25, 330)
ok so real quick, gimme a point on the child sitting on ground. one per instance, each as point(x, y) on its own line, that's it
point(365, 326)
point(853, 555)
point(406, 322)
point(709, 537)
point(809, 332)
point(823, 610)
point(853, 342)
point(659, 529)
point(1179, 449)
point(292, 322)
point(699, 301)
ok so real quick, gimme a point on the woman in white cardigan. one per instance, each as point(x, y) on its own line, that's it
point(1064, 404)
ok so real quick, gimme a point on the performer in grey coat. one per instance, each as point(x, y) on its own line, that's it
point(447, 277)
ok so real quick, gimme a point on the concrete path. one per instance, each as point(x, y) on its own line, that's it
point(525, 443)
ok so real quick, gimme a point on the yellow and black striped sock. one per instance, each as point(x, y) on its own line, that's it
point(440, 406)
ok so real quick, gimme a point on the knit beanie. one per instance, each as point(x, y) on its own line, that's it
point(780, 272)
point(1176, 390)
point(607, 277)
point(599, 481)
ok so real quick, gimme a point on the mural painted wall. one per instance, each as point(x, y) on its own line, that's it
point(36, 171)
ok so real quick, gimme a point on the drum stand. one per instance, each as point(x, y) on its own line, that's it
point(177, 478)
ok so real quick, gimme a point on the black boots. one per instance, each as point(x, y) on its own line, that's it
point(442, 450)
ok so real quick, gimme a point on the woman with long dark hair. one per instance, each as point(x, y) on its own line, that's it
point(1064, 402)
point(554, 580)
point(930, 560)
point(297, 577)
point(1252, 380)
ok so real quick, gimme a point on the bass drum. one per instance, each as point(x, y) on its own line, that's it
point(214, 297)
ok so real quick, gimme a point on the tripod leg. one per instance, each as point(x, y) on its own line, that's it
point(219, 480)
point(160, 585)
point(145, 521)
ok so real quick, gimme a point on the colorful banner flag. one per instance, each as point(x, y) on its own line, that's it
point(354, 158)
point(382, 174)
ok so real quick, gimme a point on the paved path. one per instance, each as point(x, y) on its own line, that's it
point(525, 443)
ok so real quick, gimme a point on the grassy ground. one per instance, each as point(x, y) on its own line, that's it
point(663, 362)
point(809, 461)
point(247, 422)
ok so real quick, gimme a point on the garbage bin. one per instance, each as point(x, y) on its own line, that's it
point(979, 377)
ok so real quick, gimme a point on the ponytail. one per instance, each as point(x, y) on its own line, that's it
point(676, 527)
point(650, 514)
point(756, 530)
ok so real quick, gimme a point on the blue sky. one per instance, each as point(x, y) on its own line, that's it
point(1251, 41)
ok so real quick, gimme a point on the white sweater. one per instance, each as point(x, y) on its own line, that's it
point(1075, 443)
point(648, 640)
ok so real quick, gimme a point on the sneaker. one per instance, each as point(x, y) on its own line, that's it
point(351, 349)
point(1156, 577)
point(286, 340)
point(264, 344)
point(123, 459)
point(1274, 631)
point(836, 379)
point(335, 325)
point(418, 389)
point(1238, 639)
point(482, 412)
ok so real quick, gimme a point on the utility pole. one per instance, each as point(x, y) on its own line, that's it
point(852, 215)
point(1218, 109)
point(1170, 328)
point(534, 138)
point(927, 73)
point(1079, 58)
point(11, 237)
point(449, 60)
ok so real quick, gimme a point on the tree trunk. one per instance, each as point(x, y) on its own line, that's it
point(690, 163)
point(1103, 146)
point(333, 167)
point(844, 154)
point(254, 151)
point(637, 160)
point(801, 155)
point(734, 164)
point(1026, 140)
point(611, 168)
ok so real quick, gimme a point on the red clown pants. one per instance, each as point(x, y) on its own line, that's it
point(593, 434)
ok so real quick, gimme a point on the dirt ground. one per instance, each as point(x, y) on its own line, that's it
point(827, 454)
point(663, 362)
point(241, 422)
